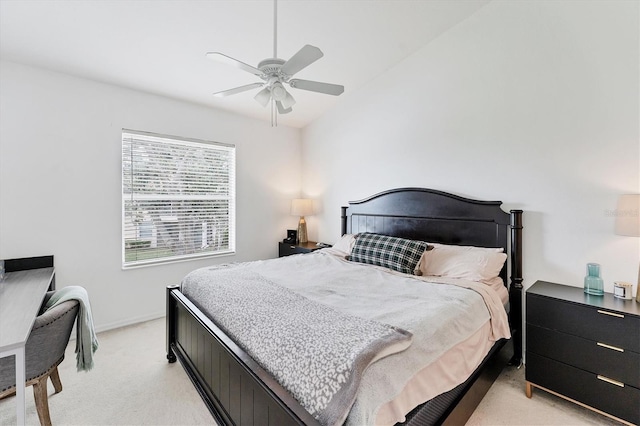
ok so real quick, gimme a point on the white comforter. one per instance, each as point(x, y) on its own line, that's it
point(440, 315)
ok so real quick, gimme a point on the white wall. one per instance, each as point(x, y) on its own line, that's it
point(60, 183)
point(533, 103)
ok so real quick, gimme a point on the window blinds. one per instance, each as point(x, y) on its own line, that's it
point(178, 198)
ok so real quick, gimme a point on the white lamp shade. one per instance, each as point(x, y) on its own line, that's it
point(288, 101)
point(628, 215)
point(301, 207)
point(263, 96)
point(278, 92)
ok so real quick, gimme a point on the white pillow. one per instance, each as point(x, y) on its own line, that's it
point(345, 243)
point(466, 262)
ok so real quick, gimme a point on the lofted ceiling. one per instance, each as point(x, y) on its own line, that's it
point(159, 46)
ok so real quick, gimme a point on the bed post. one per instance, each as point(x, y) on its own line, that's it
point(343, 220)
point(171, 323)
point(515, 289)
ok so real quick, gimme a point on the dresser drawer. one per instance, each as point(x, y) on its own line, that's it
point(585, 354)
point(287, 249)
point(585, 387)
point(589, 322)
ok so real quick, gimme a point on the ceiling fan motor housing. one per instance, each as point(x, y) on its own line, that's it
point(271, 67)
point(274, 77)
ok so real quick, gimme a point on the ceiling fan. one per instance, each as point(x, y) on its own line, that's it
point(275, 73)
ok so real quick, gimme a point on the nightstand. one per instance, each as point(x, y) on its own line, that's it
point(287, 249)
point(584, 348)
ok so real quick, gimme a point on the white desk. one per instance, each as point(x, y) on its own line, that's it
point(21, 295)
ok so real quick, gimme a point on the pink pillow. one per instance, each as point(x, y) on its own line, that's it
point(466, 262)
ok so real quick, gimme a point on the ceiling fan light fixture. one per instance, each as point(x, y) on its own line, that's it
point(263, 97)
point(282, 109)
point(278, 91)
point(288, 101)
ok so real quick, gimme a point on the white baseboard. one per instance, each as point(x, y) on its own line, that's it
point(130, 321)
point(124, 323)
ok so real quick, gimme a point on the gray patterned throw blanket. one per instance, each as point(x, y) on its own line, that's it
point(315, 352)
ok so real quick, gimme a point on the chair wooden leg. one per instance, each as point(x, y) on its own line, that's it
point(55, 379)
point(8, 393)
point(42, 401)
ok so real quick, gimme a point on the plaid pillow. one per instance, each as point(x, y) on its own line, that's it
point(395, 253)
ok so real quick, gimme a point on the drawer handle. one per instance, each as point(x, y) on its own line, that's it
point(613, 314)
point(604, 345)
point(608, 380)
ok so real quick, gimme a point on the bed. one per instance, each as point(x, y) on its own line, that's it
point(237, 390)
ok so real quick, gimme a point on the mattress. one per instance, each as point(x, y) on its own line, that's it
point(450, 319)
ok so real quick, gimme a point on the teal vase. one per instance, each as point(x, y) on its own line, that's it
point(593, 284)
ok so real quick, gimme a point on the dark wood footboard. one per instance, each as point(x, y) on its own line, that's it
point(237, 391)
point(234, 387)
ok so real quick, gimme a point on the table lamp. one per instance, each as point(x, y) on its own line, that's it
point(302, 207)
point(628, 222)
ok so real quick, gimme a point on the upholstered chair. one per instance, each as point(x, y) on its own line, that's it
point(44, 350)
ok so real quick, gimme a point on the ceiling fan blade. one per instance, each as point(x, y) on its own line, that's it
point(303, 58)
point(263, 97)
point(221, 57)
point(282, 109)
point(316, 86)
point(235, 90)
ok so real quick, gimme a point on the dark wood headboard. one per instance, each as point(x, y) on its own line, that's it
point(439, 217)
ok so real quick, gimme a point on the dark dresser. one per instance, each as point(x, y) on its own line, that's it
point(584, 348)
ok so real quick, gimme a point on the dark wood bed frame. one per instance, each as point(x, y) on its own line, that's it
point(238, 391)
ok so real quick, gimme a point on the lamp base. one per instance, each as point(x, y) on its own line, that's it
point(302, 230)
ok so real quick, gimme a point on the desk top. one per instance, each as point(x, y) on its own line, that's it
point(21, 295)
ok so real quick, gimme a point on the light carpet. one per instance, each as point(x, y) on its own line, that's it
point(132, 384)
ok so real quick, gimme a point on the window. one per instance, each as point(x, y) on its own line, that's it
point(178, 198)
